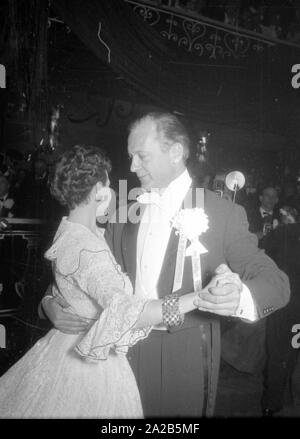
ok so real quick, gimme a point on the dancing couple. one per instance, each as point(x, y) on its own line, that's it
point(132, 337)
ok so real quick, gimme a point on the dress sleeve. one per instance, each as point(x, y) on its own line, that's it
point(101, 278)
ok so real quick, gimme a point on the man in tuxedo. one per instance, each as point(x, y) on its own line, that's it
point(177, 367)
point(262, 217)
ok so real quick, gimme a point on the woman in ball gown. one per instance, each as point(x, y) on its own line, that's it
point(84, 375)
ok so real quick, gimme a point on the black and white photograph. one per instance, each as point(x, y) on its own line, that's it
point(149, 212)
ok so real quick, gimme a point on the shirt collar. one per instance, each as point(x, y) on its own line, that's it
point(262, 211)
point(174, 194)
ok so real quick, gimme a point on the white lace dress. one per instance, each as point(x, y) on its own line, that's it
point(81, 376)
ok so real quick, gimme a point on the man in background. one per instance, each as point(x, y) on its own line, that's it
point(264, 217)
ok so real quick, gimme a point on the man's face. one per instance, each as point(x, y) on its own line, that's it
point(4, 186)
point(269, 198)
point(152, 165)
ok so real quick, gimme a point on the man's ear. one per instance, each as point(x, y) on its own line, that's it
point(176, 152)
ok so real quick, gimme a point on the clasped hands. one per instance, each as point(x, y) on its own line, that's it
point(222, 295)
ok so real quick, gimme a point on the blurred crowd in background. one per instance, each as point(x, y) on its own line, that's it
point(24, 188)
point(280, 197)
point(25, 193)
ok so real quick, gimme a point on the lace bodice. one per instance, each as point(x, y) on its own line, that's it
point(89, 279)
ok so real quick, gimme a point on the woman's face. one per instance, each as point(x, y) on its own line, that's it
point(103, 197)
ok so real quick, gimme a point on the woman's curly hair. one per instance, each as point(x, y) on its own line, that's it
point(76, 172)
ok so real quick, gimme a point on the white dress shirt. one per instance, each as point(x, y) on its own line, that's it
point(152, 240)
point(154, 233)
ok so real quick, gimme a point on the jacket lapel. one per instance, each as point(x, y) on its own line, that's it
point(166, 278)
point(129, 247)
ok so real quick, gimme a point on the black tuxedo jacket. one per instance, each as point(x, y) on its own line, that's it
point(227, 241)
point(256, 221)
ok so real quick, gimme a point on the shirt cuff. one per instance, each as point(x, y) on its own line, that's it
point(246, 309)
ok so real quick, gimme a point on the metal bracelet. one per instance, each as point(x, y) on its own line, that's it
point(170, 311)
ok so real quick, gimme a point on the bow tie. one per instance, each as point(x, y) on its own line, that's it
point(264, 213)
point(149, 198)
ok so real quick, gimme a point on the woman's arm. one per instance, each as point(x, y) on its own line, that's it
point(152, 314)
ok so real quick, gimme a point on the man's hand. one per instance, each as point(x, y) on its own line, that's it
point(56, 310)
point(222, 295)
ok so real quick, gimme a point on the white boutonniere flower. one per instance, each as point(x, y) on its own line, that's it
point(8, 203)
point(191, 223)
